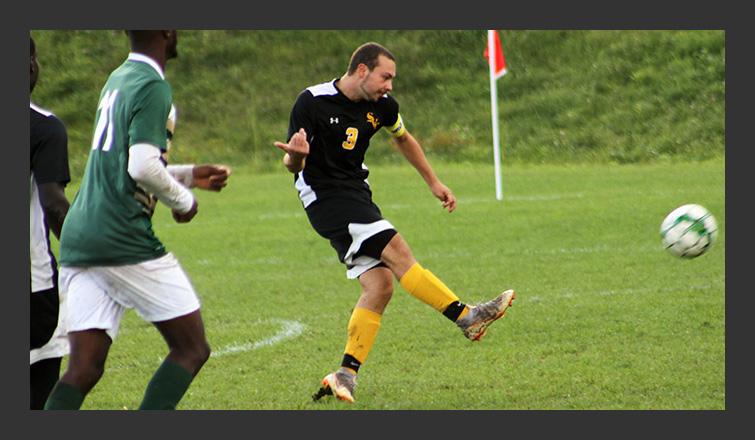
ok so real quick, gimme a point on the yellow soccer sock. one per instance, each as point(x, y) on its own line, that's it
point(363, 329)
point(426, 287)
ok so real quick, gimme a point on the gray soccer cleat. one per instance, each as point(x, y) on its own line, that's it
point(341, 384)
point(479, 317)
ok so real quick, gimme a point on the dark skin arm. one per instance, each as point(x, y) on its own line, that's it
point(207, 177)
point(54, 204)
point(211, 177)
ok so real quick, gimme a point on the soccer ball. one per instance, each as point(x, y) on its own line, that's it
point(689, 231)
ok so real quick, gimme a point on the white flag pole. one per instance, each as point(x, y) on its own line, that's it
point(494, 110)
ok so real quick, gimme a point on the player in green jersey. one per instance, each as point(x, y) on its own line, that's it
point(110, 258)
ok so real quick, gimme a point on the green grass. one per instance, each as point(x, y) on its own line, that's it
point(603, 317)
point(576, 96)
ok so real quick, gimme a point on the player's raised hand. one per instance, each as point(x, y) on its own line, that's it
point(211, 177)
point(296, 150)
point(297, 146)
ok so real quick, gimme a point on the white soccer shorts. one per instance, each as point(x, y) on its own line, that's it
point(157, 290)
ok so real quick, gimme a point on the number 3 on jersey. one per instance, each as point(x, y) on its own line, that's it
point(351, 138)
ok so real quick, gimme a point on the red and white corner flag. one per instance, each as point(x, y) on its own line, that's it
point(497, 70)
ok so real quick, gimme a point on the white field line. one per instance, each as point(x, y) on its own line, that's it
point(281, 215)
point(612, 292)
point(459, 254)
point(459, 201)
point(289, 330)
point(536, 198)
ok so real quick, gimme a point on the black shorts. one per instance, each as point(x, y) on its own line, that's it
point(355, 228)
point(43, 317)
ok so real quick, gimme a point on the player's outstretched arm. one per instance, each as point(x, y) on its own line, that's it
point(207, 177)
point(411, 149)
point(211, 177)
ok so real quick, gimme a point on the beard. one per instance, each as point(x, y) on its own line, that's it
point(370, 96)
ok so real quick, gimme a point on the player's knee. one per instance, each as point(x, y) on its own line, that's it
point(204, 353)
point(199, 354)
point(84, 377)
point(191, 355)
point(388, 288)
point(398, 256)
point(384, 289)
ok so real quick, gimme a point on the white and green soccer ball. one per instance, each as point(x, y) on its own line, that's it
point(689, 231)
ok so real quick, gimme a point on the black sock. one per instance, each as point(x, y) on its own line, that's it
point(453, 311)
point(350, 363)
point(43, 375)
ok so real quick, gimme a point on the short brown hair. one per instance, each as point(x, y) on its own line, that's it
point(368, 55)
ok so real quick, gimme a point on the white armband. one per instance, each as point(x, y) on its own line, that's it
point(145, 167)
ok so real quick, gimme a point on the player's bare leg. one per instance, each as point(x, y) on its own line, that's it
point(186, 341)
point(189, 351)
point(86, 364)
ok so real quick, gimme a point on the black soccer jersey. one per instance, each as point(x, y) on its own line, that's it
point(339, 132)
point(48, 143)
point(48, 163)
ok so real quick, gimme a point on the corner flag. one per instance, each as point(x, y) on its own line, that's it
point(497, 70)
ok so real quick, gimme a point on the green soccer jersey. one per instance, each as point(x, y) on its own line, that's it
point(109, 221)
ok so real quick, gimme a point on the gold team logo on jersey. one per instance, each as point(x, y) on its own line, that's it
point(372, 120)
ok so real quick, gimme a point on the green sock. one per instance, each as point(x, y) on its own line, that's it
point(167, 386)
point(64, 396)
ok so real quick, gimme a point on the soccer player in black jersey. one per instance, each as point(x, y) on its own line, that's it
point(329, 132)
point(47, 210)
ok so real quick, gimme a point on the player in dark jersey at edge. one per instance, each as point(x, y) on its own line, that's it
point(330, 128)
point(110, 258)
point(48, 206)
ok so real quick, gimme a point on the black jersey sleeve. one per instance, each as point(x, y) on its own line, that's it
point(394, 123)
point(390, 110)
point(301, 115)
point(49, 150)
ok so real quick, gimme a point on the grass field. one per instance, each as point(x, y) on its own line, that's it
point(603, 317)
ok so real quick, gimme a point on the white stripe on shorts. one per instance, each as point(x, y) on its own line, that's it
point(359, 233)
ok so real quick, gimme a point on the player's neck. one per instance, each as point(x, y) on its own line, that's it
point(349, 86)
point(156, 54)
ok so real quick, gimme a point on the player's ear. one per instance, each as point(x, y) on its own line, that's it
point(363, 70)
point(33, 67)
